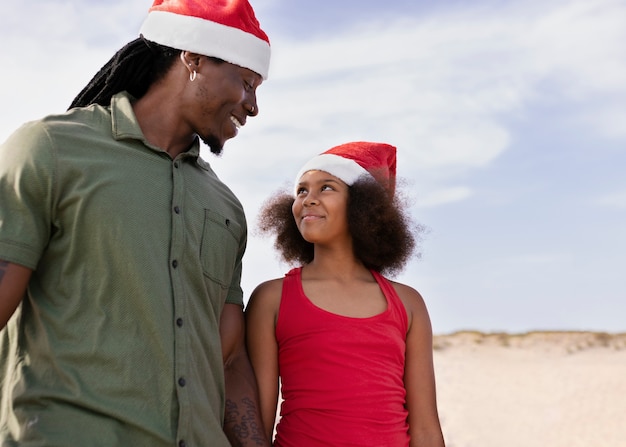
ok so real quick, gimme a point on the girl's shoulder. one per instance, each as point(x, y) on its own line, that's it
point(413, 302)
point(407, 294)
point(269, 285)
point(266, 297)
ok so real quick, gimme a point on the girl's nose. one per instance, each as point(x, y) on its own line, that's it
point(310, 199)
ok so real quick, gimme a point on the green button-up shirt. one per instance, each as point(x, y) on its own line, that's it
point(134, 255)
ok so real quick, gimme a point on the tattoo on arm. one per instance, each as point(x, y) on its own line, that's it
point(4, 266)
point(243, 423)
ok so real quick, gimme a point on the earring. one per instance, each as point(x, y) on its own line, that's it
point(193, 74)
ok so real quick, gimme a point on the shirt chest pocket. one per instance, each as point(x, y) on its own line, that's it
point(219, 248)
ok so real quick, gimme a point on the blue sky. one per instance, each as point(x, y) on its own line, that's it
point(509, 118)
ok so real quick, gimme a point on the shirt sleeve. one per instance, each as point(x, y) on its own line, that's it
point(235, 293)
point(27, 171)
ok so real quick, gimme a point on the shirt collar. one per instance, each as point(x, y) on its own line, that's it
point(124, 125)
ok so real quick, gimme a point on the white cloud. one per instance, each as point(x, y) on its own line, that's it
point(613, 200)
point(48, 57)
point(609, 119)
point(538, 259)
point(580, 43)
point(443, 196)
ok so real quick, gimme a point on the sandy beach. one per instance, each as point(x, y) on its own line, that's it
point(557, 389)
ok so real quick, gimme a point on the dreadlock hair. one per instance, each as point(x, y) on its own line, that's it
point(384, 237)
point(133, 68)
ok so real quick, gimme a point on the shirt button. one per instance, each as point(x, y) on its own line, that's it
point(179, 322)
point(174, 263)
point(182, 381)
point(182, 443)
point(227, 222)
point(176, 164)
point(177, 210)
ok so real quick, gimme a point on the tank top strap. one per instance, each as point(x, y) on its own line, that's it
point(396, 306)
point(291, 284)
point(291, 303)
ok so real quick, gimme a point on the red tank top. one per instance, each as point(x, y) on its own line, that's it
point(342, 377)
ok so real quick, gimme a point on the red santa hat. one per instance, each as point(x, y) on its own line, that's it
point(351, 161)
point(226, 29)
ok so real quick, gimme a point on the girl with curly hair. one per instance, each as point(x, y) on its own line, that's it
point(350, 349)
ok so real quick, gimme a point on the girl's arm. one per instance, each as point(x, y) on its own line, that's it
point(261, 315)
point(419, 375)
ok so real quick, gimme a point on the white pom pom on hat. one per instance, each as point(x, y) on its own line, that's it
point(226, 29)
point(351, 161)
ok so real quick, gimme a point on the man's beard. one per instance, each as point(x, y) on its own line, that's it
point(214, 144)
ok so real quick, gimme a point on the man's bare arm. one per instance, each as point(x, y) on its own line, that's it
point(13, 281)
point(242, 421)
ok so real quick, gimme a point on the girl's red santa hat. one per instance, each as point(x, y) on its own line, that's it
point(351, 161)
point(226, 29)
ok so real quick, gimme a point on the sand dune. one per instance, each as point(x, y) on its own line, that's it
point(557, 389)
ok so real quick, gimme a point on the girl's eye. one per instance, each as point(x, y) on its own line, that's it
point(300, 191)
point(327, 187)
point(247, 85)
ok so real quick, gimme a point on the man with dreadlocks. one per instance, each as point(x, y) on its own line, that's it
point(121, 250)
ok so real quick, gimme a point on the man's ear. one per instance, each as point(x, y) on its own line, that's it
point(191, 60)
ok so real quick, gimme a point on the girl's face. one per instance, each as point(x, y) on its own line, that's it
point(321, 208)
